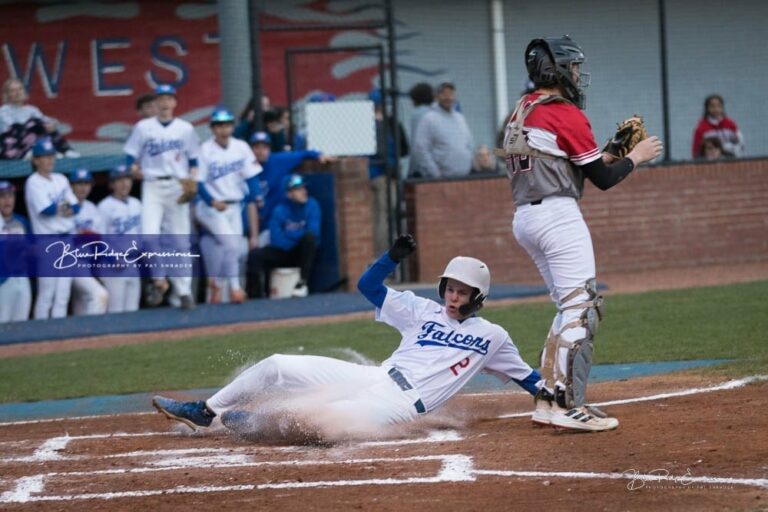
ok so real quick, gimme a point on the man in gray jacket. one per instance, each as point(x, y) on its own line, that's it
point(442, 144)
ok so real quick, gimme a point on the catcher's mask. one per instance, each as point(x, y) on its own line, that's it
point(471, 272)
point(551, 62)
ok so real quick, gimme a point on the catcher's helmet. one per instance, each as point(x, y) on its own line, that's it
point(550, 62)
point(471, 272)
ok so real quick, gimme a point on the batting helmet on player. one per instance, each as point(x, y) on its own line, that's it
point(471, 272)
point(551, 62)
point(222, 115)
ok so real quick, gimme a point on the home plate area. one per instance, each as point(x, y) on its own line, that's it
point(683, 444)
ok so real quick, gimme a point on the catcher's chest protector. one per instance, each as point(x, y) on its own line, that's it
point(515, 142)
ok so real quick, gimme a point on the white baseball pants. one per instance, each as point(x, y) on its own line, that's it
point(15, 299)
point(348, 393)
point(124, 293)
point(52, 297)
point(223, 245)
point(89, 297)
point(160, 212)
point(555, 235)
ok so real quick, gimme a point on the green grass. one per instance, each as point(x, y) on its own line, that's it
point(702, 323)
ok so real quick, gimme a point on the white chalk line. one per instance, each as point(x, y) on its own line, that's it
point(732, 384)
point(51, 449)
point(73, 418)
point(454, 468)
point(681, 481)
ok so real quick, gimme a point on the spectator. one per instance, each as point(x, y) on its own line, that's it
point(52, 207)
point(15, 292)
point(89, 297)
point(246, 124)
point(278, 132)
point(146, 106)
point(422, 97)
point(21, 125)
point(294, 236)
point(228, 173)
point(385, 157)
point(714, 123)
point(121, 215)
point(711, 149)
point(276, 167)
point(485, 161)
point(442, 145)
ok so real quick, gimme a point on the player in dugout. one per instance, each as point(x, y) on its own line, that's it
point(442, 346)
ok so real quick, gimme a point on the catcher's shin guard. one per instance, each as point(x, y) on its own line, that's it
point(573, 377)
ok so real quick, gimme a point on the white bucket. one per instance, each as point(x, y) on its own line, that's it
point(282, 281)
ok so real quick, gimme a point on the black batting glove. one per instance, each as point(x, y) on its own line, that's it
point(402, 248)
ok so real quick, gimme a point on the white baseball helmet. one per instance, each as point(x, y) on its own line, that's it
point(469, 271)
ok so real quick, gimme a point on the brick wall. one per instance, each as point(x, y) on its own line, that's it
point(671, 216)
point(354, 218)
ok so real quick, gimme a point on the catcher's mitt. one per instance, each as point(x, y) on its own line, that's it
point(188, 190)
point(628, 134)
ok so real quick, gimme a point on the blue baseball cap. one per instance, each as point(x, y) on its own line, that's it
point(321, 97)
point(43, 147)
point(118, 172)
point(375, 96)
point(262, 137)
point(165, 89)
point(295, 181)
point(222, 115)
point(6, 187)
point(81, 176)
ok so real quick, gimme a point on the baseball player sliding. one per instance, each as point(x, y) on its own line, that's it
point(163, 151)
point(550, 150)
point(442, 347)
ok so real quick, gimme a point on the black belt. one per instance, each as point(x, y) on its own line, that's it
point(534, 203)
point(231, 202)
point(401, 381)
point(164, 178)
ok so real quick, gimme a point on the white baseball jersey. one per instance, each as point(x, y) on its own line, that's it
point(438, 355)
point(121, 217)
point(39, 193)
point(88, 219)
point(163, 150)
point(224, 170)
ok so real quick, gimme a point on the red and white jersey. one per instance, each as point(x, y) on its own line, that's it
point(439, 355)
point(224, 170)
point(121, 216)
point(560, 129)
point(724, 129)
point(163, 150)
point(40, 192)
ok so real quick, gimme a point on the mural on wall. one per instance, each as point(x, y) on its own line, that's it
point(85, 64)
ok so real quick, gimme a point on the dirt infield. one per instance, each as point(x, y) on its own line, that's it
point(698, 449)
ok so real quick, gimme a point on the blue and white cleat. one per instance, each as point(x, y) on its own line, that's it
point(192, 414)
point(238, 421)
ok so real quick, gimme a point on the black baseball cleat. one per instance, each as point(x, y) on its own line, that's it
point(192, 414)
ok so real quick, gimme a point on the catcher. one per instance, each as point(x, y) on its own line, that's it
point(550, 150)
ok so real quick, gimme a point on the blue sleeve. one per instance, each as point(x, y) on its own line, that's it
point(50, 210)
point(75, 208)
point(129, 161)
point(254, 188)
point(204, 194)
point(193, 162)
point(289, 160)
point(371, 283)
point(277, 235)
point(314, 219)
point(529, 383)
